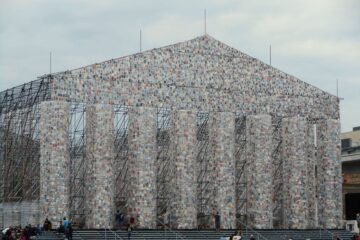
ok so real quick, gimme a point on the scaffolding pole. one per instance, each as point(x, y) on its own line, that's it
point(77, 162)
point(121, 147)
point(205, 186)
point(20, 149)
point(164, 166)
point(241, 169)
point(278, 209)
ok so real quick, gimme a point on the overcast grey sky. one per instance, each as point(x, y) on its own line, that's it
point(318, 41)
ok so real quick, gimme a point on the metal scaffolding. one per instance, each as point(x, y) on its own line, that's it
point(77, 162)
point(20, 156)
point(241, 169)
point(278, 210)
point(19, 143)
point(121, 147)
point(205, 186)
point(164, 166)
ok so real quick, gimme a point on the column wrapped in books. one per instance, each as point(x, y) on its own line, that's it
point(142, 155)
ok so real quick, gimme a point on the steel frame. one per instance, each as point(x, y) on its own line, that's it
point(121, 147)
point(20, 154)
point(205, 186)
point(278, 209)
point(20, 143)
point(241, 169)
point(77, 139)
point(164, 166)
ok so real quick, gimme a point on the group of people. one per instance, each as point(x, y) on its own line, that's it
point(65, 228)
point(18, 233)
point(238, 236)
point(30, 232)
point(119, 223)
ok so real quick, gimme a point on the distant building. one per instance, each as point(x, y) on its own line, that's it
point(350, 157)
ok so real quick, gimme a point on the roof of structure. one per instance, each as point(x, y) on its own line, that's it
point(204, 45)
point(202, 73)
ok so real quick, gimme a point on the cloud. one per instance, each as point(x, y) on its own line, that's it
point(317, 41)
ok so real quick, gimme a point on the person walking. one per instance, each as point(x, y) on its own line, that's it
point(47, 225)
point(61, 228)
point(66, 223)
point(68, 229)
point(217, 221)
point(24, 235)
point(70, 232)
point(129, 230)
point(118, 219)
point(132, 221)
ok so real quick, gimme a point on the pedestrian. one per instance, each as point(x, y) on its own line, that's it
point(61, 228)
point(67, 228)
point(129, 230)
point(118, 219)
point(236, 236)
point(132, 221)
point(358, 219)
point(24, 235)
point(217, 221)
point(66, 223)
point(47, 225)
point(70, 232)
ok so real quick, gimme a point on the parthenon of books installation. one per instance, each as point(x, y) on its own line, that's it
point(172, 136)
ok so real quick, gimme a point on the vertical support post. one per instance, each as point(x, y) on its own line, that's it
point(311, 174)
point(50, 62)
point(100, 187)
point(7, 214)
point(164, 166)
point(205, 171)
point(140, 41)
point(241, 170)
point(54, 160)
point(142, 157)
point(184, 183)
point(330, 179)
point(222, 139)
point(278, 209)
point(77, 134)
point(121, 122)
point(295, 176)
point(259, 148)
point(205, 22)
point(26, 212)
point(16, 212)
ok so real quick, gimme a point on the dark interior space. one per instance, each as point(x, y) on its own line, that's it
point(352, 204)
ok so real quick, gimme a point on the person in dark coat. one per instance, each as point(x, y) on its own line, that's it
point(217, 221)
point(129, 230)
point(61, 228)
point(47, 225)
point(118, 219)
